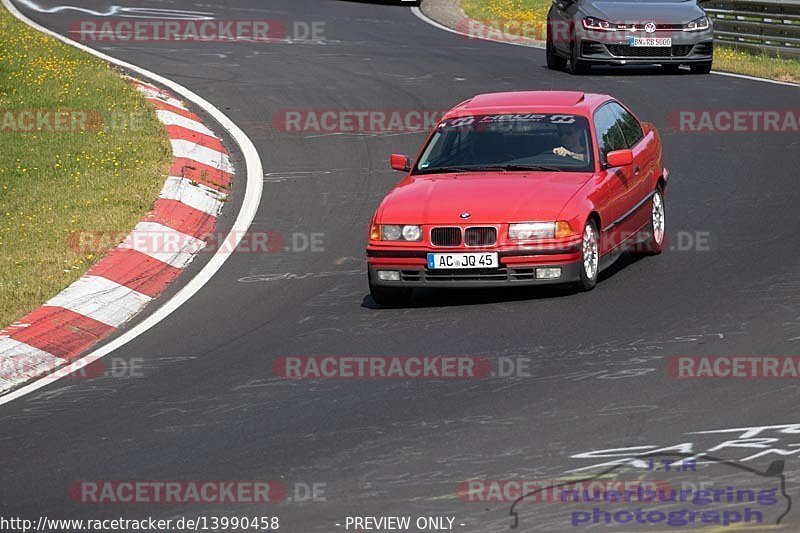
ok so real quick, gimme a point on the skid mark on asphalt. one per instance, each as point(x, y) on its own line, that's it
point(367, 324)
point(278, 177)
point(292, 276)
point(291, 175)
point(334, 296)
point(625, 409)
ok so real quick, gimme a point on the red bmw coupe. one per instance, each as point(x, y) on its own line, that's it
point(520, 188)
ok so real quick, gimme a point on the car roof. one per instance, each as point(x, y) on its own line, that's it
point(573, 102)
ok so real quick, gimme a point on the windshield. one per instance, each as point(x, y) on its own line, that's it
point(509, 142)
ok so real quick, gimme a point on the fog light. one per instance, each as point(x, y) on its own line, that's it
point(389, 275)
point(548, 273)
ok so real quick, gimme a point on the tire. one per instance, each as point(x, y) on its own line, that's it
point(589, 267)
point(554, 61)
point(654, 243)
point(389, 296)
point(577, 66)
point(701, 68)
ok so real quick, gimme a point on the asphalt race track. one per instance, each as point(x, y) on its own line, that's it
point(209, 406)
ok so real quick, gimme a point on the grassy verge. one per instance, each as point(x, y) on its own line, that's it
point(533, 13)
point(522, 11)
point(101, 170)
point(727, 59)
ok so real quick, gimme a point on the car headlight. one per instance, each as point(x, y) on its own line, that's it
point(592, 23)
point(531, 231)
point(395, 232)
point(412, 233)
point(391, 233)
point(698, 24)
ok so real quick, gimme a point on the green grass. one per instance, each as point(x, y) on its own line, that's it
point(53, 184)
point(523, 11)
point(727, 59)
point(531, 15)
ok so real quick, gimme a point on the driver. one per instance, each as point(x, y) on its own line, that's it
point(571, 142)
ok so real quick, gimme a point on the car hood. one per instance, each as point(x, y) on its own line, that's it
point(659, 12)
point(489, 198)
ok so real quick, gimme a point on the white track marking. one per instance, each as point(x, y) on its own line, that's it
point(753, 78)
point(201, 154)
point(162, 243)
point(173, 119)
point(101, 299)
point(132, 12)
point(252, 198)
point(195, 196)
point(425, 18)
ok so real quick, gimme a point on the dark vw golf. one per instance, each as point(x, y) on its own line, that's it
point(621, 32)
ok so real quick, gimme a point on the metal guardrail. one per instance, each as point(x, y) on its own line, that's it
point(772, 26)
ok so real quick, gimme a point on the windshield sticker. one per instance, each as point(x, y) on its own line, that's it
point(515, 119)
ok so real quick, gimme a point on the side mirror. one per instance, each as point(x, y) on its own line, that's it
point(619, 158)
point(400, 162)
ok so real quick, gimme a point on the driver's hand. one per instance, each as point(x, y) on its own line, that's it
point(563, 152)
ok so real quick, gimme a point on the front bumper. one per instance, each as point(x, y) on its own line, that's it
point(685, 49)
point(514, 270)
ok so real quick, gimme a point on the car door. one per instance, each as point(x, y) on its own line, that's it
point(644, 161)
point(617, 193)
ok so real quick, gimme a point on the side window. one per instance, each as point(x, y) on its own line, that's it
point(609, 134)
point(630, 126)
point(441, 150)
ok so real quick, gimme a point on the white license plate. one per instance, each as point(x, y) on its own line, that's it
point(651, 41)
point(465, 260)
